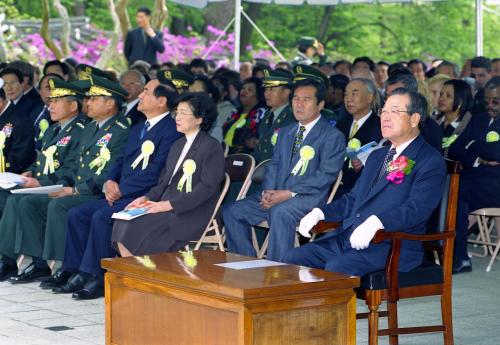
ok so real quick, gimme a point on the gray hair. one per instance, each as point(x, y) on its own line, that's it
point(138, 74)
point(372, 89)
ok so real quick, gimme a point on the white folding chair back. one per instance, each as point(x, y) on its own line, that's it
point(213, 225)
point(486, 220)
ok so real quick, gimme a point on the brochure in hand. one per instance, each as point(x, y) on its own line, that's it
point(132, 213)
point(353, 153)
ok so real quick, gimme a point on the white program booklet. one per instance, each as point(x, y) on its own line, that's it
point(38, 190)
point(9, 180)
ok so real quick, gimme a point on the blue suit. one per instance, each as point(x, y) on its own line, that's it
point(90, 225)
point(312, 188)
point(400, 207)
point(480, 185)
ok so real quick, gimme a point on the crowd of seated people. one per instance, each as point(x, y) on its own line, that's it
point(153, 137)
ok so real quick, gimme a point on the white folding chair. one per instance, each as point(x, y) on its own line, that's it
point(213, 225)
point(486, 219)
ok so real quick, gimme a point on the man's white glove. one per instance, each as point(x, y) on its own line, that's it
point(310, 220)
point(363, 234)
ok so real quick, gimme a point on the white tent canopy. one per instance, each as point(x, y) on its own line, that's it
point(239, 12)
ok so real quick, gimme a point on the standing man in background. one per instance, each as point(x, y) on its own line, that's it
point(143, 43)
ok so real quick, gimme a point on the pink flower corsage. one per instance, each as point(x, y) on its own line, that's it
point(398, 168)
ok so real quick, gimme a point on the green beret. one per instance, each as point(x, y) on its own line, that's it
point(60, 88)
point(278, 77)
point(308, 72)
point(308, 42)
point(85, 71)
point(105, 87)
point(178, 77)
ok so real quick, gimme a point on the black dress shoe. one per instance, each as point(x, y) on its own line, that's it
point(59, 278)
point(30, 273)
point(74, 283)
point(7, 271)
point(462, 266)
point(92, 290)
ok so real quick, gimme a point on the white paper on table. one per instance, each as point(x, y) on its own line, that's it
point(38, 190)
point(8, 177)
point(242, 265)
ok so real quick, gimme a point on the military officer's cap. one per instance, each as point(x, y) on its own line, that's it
point(60, 88)
point(85, 71)
point(83, 84)
point(308, 72)
point(105, 87)
point(180, 78)
point(278, 77)
point(308, 42)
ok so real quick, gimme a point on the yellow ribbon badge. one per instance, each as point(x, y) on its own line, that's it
point(306, 154)
point(189, 258)
point(3, 137)
point(147, 149)
point(49, 160)
point(188, 168)
point(146, 261)
point(354, 144)
point(101, 160)
point(492, 137)
point(274, 138)
point(43, 125)
point(447, 141)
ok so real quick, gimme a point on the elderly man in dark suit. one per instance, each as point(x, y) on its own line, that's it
point(144, 42)
point(398, 189)
point(138, 169)
point(307, 159)
point(478, 149)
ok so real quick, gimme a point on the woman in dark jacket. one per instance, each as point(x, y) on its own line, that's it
point(181, 204)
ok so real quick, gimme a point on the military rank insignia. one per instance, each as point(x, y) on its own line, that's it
point(104, 140)
point(64, 141)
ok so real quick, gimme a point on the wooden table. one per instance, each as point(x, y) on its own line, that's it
point(165, 302)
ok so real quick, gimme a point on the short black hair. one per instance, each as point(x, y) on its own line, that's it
point(339, 81)
point(209, 86)
point(481, 62)
point(320, 88)
point(418, 61)
point(25, 68)
point(408, 80)
point(417, 104)
point(14, 71)
point(384, 63)
point(51, 76)
point(447, 63)
point(259, 88)
point(197, 62)
point(494, 60)
point(398, 67)
point(493, 83)
point(365, 59)
point(171, 96)
point(62, 65)
point(342, 62)
point(202, 106)
point(462, 96)
point(144, 10)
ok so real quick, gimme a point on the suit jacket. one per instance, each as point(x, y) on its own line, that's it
point(432, 133)
point(19, 150)
point(34, 97)
point(67, 142)
point(402, 207)
point(113, 134)
point(312, 188)
point(266, 131)
point(370, 131)
point(136, 182)
point(135, 116)
point(38, 114)
point(192, 211)
point(472, 144)
point(139, 46)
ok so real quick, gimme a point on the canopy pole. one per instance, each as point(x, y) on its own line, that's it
point(479, 27)
point(237, 34)
point(263, 35)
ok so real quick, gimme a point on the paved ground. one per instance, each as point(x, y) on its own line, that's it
point(27, 314)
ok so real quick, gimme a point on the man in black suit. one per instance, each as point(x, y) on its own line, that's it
point(29, 90)
point(133, 81)
point(16, 130)
point(143, 43)
point(360, 127)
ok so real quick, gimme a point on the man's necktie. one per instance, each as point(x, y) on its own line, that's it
point(145, 129)
point(299, 137)
point(353, 130)
point(388, 159)
point(270, 119)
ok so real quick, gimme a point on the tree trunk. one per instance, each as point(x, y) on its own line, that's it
point(121, 11)
point(246, 28)
point(44, 31)
point(111, 51)
point(217, 15)
point(66, 27)
point(160, 14)
point(79, 8)
point(325, 22)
